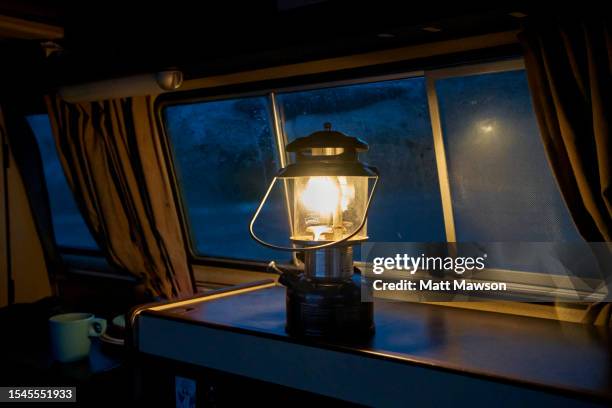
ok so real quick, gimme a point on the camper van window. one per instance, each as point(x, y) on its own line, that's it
point(500, 187)
point(68, 224)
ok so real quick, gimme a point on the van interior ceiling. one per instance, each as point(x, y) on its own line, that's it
point(305, 202)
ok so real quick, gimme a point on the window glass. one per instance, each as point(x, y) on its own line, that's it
point(70, 228)
point(502, 187)
point(225, 156)
point(393, 118)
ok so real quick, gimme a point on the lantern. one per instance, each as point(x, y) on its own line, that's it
point(328, 193)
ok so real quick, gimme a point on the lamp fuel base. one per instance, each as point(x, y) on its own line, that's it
point(330, 310)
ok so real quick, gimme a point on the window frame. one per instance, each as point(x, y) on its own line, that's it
point(531, 280)
point(270, 91)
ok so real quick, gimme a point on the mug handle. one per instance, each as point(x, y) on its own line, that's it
point(97, 327)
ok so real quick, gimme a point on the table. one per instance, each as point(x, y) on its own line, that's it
point(421, 354)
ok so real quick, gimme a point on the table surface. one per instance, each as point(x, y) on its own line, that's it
point(561, 356)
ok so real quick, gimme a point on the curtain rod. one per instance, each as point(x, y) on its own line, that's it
point(135, 85)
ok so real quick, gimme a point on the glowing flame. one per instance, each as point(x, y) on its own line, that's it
point(321, 195)
point(325, 199)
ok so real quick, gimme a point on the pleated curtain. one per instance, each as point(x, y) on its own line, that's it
point(113, 159)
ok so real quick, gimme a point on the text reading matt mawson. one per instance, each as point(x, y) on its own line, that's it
point(426, 272)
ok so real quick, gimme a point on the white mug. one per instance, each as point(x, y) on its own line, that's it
point(70, 334)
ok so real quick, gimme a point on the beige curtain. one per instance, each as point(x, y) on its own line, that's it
point(569, 68)
point(113, 159)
